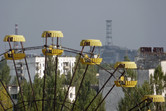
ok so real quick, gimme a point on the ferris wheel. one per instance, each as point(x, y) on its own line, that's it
point(56, 49)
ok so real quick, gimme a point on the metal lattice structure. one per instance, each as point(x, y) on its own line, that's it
point(56, 49)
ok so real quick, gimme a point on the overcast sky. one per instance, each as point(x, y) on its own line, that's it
point(135, 23)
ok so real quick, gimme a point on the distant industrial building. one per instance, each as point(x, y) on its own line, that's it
point(112, 53)
point(147, 60)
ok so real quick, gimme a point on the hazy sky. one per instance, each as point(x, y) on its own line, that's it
point(135, 23)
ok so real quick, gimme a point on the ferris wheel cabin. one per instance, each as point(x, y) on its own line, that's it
point(154, 98)
point(123, 82)
point(53, 49)
point(95, 59)
point(14, 54)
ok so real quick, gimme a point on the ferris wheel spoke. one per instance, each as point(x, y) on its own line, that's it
point(29, 75)
point(82, 81)
point(72, 78)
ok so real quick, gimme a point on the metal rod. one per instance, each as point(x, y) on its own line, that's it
point(108, 93)
point(79, 87)
point(17, 76)
point(2, 60)
point(4, 53)
point(72, 51)
point(147, 104)
point(55, 84)
point(104, 97)
point(2, 106)
point(41, 100)
point(101, 88)
point(29, 48)
point(56, 72)
point(137, 105)
point(131, 97)
point(72, 78)
point(75, 50)
point(102, 67)
point(82, 81)
point(122, 87)
point(29, 77)
point(45, 70)
point(105, 83)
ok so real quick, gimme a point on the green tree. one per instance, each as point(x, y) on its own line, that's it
point(158, 84)
point(5, 72)
point(49, 90)
point(158, 81)
point(86, 92)
point(5, 100)
point(133, 96)
point(5, 78)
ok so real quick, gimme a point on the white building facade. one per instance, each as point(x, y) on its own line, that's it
point(66, 65)
point(145, 74)
point(36, 65)
point(13, 91)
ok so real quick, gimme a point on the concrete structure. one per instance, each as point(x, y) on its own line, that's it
point(116, 94)
point(113, 54)
point(109, 41)
point(66, 64)
point(71, 93)
point(36, 66)
point(145, 74)
point(147, 60)
point(13, 91)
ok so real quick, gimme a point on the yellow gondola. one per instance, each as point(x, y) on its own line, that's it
point(154, 98)
point(96, 58)
point(52, 49)
point(13, 54)
point(126, 64)
point(123, 82)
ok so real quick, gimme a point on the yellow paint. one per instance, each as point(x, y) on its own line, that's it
point(91, 61)
point(12, 55)
point(52, 52)
point(125, 83)
point(155, 98)
point(127, 65)
point(90, 42)
point(52, 33)
point(14, 38)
